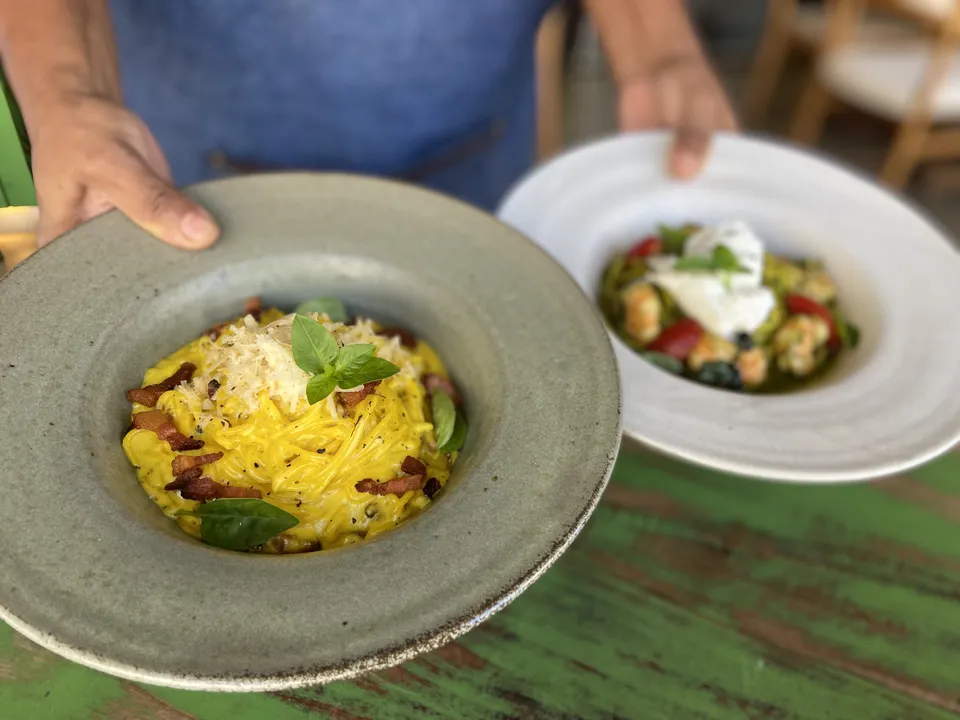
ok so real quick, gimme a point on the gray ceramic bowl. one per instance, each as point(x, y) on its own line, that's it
point(91, 569)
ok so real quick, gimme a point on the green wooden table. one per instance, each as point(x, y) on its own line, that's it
point(690, 594)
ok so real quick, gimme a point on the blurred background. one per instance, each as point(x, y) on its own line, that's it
point(875, 83)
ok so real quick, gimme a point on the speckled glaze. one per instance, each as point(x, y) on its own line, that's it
point(91, 568)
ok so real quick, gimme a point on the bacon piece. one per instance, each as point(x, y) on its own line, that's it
point(253, 307)
point(158, 422)
point(232, 491)
point(433, 382)
point(432, 487)
point(407, 338)
point(179, 442)
point(201, 489)
point(397, 486)
point(212, 388)
point(413, 466)
point(181, 463)
point(150, 394)
point(217, 330)
point(194, 487)
point(184, 478)
point(352, 398)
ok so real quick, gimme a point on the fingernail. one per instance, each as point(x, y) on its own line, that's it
point(198, 228)
point(685, 165)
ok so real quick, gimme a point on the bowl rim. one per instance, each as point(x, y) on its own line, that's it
point(479, 609)
point(605, 162)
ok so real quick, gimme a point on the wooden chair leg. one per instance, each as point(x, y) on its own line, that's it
point(905, 153)
point(767, 68)
point(812, 110)
point(550, 78)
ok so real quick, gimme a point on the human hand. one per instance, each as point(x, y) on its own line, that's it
point(681, 93)
point(90, 155)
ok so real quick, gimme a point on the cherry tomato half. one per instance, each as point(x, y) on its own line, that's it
point(802, 305)
point(678, 339)
point(650, 245)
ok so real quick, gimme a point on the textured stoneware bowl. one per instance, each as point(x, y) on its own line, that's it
point(91, 569)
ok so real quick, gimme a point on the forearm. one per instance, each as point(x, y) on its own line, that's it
point(640, 35)
point(55, 51)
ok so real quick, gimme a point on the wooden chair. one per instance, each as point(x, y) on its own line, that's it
point(914, 83)
point(793, 26)
point(550, 58)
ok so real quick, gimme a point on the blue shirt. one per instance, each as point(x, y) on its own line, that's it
point(440, 92)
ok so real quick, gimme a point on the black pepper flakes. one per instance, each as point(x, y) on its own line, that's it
point(256, 465)
point(321, 451)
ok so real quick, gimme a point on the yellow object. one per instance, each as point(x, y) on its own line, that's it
point(305, 459)
point(18, 234)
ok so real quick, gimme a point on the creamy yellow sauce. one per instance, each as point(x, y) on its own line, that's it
point(304, 459)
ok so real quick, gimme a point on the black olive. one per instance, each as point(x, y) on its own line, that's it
point(744, 341)
point(432, 487)
point(720, 375)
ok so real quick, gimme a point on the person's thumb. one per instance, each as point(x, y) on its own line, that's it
point(160, 209)
point(691, 143)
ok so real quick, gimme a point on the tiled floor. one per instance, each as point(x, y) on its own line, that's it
point(852, 137)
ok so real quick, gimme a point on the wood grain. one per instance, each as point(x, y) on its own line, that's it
point(691, 594)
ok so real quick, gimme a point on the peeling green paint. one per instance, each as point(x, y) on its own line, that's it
point(691, 594)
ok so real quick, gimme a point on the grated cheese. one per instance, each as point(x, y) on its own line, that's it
point(249, 360)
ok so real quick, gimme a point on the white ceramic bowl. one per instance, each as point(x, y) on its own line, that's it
point(892, 403)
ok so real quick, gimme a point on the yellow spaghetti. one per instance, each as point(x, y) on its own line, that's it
point(247, 400)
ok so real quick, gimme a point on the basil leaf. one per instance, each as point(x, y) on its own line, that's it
point(331, 307)
point(320, 386)
point(373, 369)
point(674, 237)
point(458, 435)
point(722, 258)
point(314, 347)
point(351, 359)
point(444, 417)
point(663, 361)
point(848, 332)
point(240, 524)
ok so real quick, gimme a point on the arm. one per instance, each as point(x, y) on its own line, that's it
point(55, 51)
point(639, 35)
point(663, 75)
point(89, 153)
